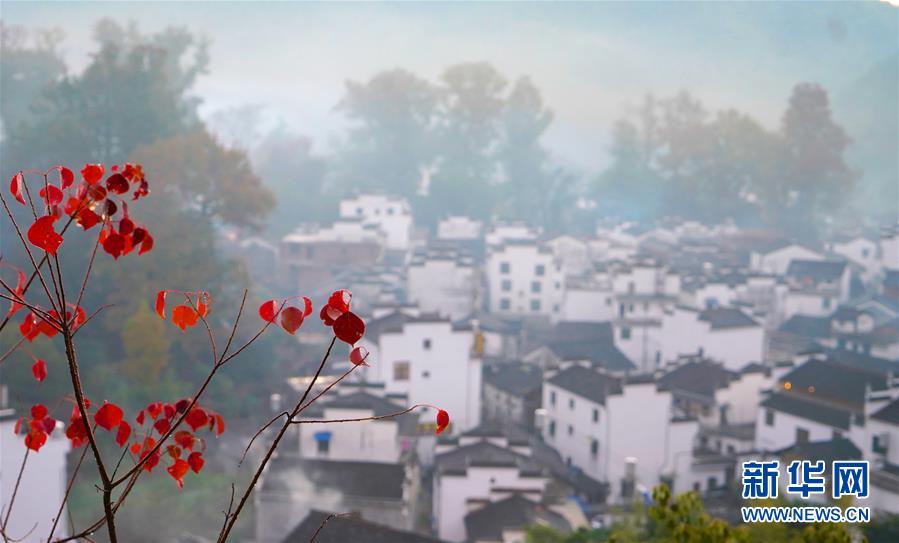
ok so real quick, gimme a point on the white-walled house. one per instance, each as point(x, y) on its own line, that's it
point(861, 251)
point(443, 281)
point(616, 430)
point(43, 483)
point(889, 248)
point(573, 253)
point(503, 232)
point(458, 227)
point(815, 287)
point(726, 334)
point(477, 472)
point(525, 279)
point(431, 360)
point(817, 401)
point(776, 258)
point(390, 213)
point(387, 440)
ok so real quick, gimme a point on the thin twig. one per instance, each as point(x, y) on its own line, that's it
point(65, 497)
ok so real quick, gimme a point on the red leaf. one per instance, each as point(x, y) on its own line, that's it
point(48, 424)
point(291, 319)
point(160, 304)
point(117, 183)
point(41, 234)
point(87, 218)
point(340, 300)
point(38, 411)
point(184, 438)
point(114, 244)
point(19, 292)
point(28, 328)
point(39, 370)
point(219, 424)
point(126, 226)
point(17, 426)
point(328, 314)
point(135, 448)
point(358, 356)
point(268, 310)
point(307, 308)
point(109, 416)
point(195, 460)
point(204, 302)
point(16, 186)
point(174, 451)
point(35, 440)
point(124, 432)
point(92, 173)
point(349, 328)
point(66, 177)
point(184, 316)
point(196, 418)
point(443, 420)
point(162, 426)
point(55, 195)
point(97, 193)
point(146, 244)
point(178, 470)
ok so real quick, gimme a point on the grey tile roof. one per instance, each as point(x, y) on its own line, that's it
point(484, 453)
point(368, 480)
point(807, 326)
point(586, 383)
point(828, 451)
point(888, 413)
point(727, 317)
point(512, 513)
point(817, 270)
point(515, 379)
point(700, 377)
point(344, 529)
point(800, 407)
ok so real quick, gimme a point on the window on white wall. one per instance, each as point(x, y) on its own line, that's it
point(535, 305)
point(506, 285)
point(401, 371)
point(504, 267)
point(536, 286)
point(426, 344)
point(539, 270)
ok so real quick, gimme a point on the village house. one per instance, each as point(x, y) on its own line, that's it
point(390, 214)
point(524, 279)
point(475, 471)
point(428, 358)
point(443, 281)
point(816, 287)
point(621, 431)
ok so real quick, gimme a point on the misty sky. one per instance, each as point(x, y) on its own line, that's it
point(591, 60)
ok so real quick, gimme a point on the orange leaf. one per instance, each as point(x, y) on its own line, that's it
point(184, 316)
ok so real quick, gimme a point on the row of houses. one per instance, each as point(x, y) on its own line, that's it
point(580, 371)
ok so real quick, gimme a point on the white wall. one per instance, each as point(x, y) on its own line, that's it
point(452, 491)
point(393, 215)
point(373, 441)
point(446, 374)
point(778, 261)
point(42, 488)
point(513, 292)
point(442, 285)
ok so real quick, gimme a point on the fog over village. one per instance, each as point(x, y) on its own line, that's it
point(622, 245)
